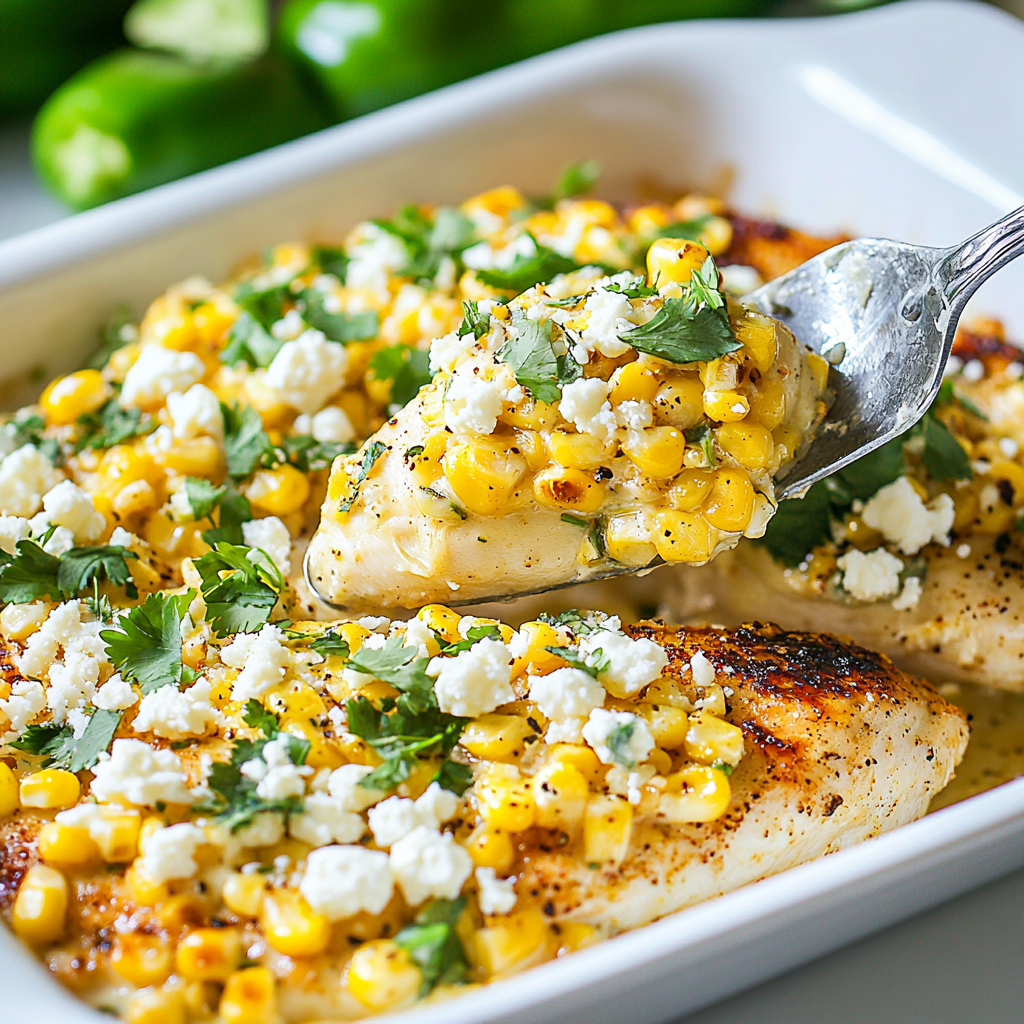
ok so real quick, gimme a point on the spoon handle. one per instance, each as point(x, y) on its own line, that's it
point(967, 266)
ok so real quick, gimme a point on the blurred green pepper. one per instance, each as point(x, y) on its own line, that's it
point(43, 42)
point(135, 119)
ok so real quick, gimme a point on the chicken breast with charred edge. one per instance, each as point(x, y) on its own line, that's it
point(840, 746)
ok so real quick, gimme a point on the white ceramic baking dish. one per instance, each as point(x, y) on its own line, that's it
point(905, 121)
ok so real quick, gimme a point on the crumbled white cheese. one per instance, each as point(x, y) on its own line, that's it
point(157, 372)
point(60, 542)
point(282, 779)
point(632, 664)
point(618, 737)
point(739, 280)
point(566, 693)
point(99, 820)
point(344, 786)
point(702, 670)
point(195, 413)
point(27, 699)
point(69, 506)
point(417, 634)
point(1009, 447)
point(329, 424)
point(585, 404)
point(115, 695)
point(134, 773)
point(273, 537)
point(263, 661)
point(375, 259)
point(266, 829)
point(871, 576)
point(496, 895)
point(73, 682)
point(177, 714)
point(289, 327)
point(19, 621)
point(450, 351)
point(474, 681)
point(169, 853)
point(437, 805)
point(307, 371)
point(396, 817)
point(899, 514)
point(608, 312)
point(340, 881)
point(25, 476)
point(427, 863)
point(634, 415)
point(63, 627)
point(569, 730)
point(13, 529)
point(323, 821)
point(473, 405)
point(910, 595)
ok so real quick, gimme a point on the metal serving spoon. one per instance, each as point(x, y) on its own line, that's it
point(883, 313)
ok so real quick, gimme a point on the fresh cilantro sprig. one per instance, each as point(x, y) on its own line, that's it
point(576, 180)
point(232, 510)
point(29, 428)
point(59, 748)
point(330, 259)
point(429, 242)
point(145, 646)
point(434, 946)
point(111, 425)
point(484, 631)
point(84, 566)
point(245, 440)
point(532, 358)
point(402, 668)
point(32, 572)
point(474, 321)
point(340, 327)
point(240, 601)
point(329, 644)
point(704, 438)
point(636, 289)
point(593, 664)
point(249, 341)
point(406, 367)
point(526, 271)
point(371, 454)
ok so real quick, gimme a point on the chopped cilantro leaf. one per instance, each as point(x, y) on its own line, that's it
point(428, 242)
point(245, 441)
point(234, 509)
point(256, 716)
point(306, 453)
point(576, 180)
point(473, 635)
point(111, 425)
point(331, 260)
point(341, 327)
point(29, 428)
point(264, 305)
point(371, 454)
point(688, 229)
point(59, 747)
point(636, 289)
point(473, 320)
point(30, 574)
point(943, 455)
point(330, 643)
point(723, 766)
point(400, 666)
point(532, 359)
point(249, 342)
point(593, 664)
point(81, 566)
point(242, 601)
point(948, 394)
point(702, 436)
point(618, 744)
point(406, 367)
point(526, 271)
point(203, 497)
point(434, 946)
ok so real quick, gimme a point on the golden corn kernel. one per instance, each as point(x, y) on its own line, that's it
point(818, 368)
point(483, 476)
point(426, 467)
point(581, 757)
point(511, 943)
point(725, 406)
point(505, 801)
point(1012, 472)
point(787, 439)
point(682, 537)
point(211, 321)
point(731, 502)
point(634, 382)
point(647, 219)
point(757, 332)
point(208, 954)
point(441, 620)
point(668, 725)
point(716, 235)
point(660, 761)
point(657, 452)
point(40, 909)
point(994, 514)
point(280, 491)
point(144, 890)
point(673, 260)
point(250, 997)
point(175, 330)
point(196, 456)
point(690, 489)
point(496, 737)
point(607, 827)
point(382, 976)
point(768, 406)
point(183, 912)
point(156, 1006)
point(679, 402)
point(244, 893)
point(710, 739)
point(72, 396)
point(628, 540)
point(116, 835)
point(142, 959)
point(578, 451)
point(291, 926)
point(50, 788)
point(531, 415)
point(491, 848)
point(123, 465)
point(533, 448)
point(695, 794)
point(8, 791)
point(749, 444)
point(64, 847)
point(574, 935)
point(560, 792)
point(138, 496)
point(499, 201)
point(569, 488)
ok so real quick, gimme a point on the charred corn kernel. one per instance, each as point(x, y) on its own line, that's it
point(144, 890)
point(679, 402)
point(716, 235)
point(122, 465)
point(63, 846)
point(731, 502)
point(757, 332)
point(560, 792)
point(690, 489)
point(657, 452)
point(768, 406)
point(578, 451)
point(749, 444)
point(668, 725)
point(40, 909)
point(511, 943)
point(491, 848)
point(531, 415)
point(426, 467)
point(627, 539)
point(569, 488)
point(496, 737)
point(607, 827)
point(483, 476)
point(382, 976)
point(505, 800)
point(142, 959)
point(244, 893)
point(50, 788)
point(250, 997)
point(1013, 473)
point(442, 620)
point(582, 758)
point(682, 537)
point(634, 382)
point(156, 1006)
point(138, 496)
point(695, 794)
point(72, 396)
point(195, 456)
point(279, 491)
point(574, 935)
point(673, 260)
point(725, 406)
point(183, 911)
point(710, 739)
point(208, 954)
point(994, 514)
point(8, 791)
point(818, 368)
point(533, 448)
point(291, 926)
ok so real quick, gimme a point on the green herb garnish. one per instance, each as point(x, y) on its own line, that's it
point(242, 601)
point(434, 946)
point(371, 454)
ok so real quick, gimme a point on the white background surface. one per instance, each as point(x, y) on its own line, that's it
point(962, 963)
